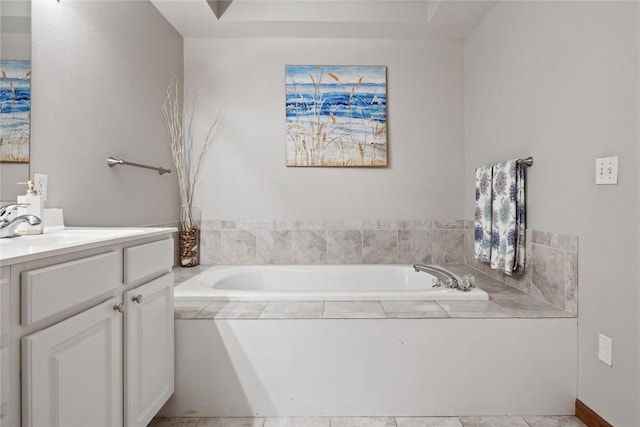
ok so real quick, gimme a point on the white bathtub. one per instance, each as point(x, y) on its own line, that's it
point(318, 283)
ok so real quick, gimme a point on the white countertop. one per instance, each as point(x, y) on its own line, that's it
point(69, 239)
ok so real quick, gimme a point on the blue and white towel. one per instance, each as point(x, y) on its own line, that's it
point(508, 217)
point(483, 213)
point(500, 216)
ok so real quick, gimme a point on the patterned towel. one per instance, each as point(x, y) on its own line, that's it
point(508, 217)
point(521, 223)
point(483, 214)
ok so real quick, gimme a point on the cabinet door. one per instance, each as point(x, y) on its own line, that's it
point(149, 366)
point(72, 371)
point(4, 344)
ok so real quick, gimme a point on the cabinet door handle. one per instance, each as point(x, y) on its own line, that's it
point(119, 307)
point(137, 298)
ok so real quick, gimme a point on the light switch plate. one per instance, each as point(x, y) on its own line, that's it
point(607, 171)
point(605, 349)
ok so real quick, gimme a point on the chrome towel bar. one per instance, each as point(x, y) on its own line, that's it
point(527, 162)
point(112, 162)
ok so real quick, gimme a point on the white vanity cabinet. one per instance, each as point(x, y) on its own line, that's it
point(148, 336)
point(148, 344)
point(91, 343)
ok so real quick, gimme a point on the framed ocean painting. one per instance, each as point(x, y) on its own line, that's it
point(15, 111)
point(336, 115)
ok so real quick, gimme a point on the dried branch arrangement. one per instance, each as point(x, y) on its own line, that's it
point(188, 164)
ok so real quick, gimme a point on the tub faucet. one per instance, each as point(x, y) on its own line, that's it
point(444, 278)
point(8, 227)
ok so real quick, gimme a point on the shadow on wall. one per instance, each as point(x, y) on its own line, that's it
point(218, 371)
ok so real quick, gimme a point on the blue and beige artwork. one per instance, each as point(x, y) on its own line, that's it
point(336, 115)
point(15, 110)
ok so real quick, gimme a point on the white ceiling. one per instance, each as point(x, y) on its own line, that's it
point(380, 19)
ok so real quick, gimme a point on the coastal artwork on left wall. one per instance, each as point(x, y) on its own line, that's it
point(15, 111)
point(336, 116)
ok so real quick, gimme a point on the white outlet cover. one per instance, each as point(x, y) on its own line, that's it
point(605, 349)
point(607, 171)
point(40, 182)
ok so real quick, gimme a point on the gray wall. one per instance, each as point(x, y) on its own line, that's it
point(100, 73)
point(246, 177)
point(559, 81)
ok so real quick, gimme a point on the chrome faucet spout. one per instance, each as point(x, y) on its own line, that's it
point(8, 228)
point(5, 210)
point(445, 278)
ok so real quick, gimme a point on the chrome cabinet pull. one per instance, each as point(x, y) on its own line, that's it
point(119, 307)
point(137, 298)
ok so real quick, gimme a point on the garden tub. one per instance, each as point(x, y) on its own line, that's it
point(319, 283)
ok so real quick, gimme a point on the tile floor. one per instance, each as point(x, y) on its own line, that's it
point(526, 421)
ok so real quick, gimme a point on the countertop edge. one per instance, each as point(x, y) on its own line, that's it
point(92, 244)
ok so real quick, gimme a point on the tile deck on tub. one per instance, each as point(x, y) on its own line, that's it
point(505, 302)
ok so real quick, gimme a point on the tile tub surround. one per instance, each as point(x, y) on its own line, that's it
point(332, 241)
point(538, 421)
point(551, 272)
point(505, 302)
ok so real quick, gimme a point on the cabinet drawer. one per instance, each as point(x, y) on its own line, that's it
point(148, 260)
point(51, 290)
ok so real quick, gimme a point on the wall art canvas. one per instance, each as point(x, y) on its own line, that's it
point(15, 111)
point(336, 115)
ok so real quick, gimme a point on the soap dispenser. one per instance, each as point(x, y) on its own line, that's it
point(34, 200)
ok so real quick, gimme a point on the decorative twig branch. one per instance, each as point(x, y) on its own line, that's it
point(181, 145)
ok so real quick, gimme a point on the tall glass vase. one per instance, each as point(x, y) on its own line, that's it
point(190, 247)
